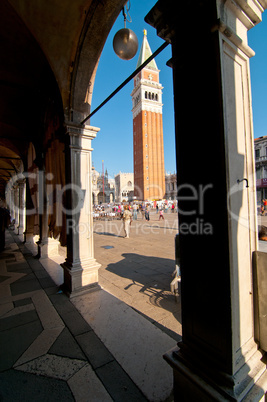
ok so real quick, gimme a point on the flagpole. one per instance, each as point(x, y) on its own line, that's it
point(103, 180)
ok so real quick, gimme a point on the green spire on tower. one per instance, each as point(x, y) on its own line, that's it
point(145, 53)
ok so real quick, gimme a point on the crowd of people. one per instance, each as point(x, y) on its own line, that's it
point(125, 211)
point(137, 208)
point(130, 211)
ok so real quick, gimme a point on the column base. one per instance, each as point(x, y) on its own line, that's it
point(48, 247)
point(80, 278)
point(20, 230)
point(28, 238)
point(30, 241)
point(249, 384)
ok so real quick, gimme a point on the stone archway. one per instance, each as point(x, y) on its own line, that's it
point(99, 20)
point(102, 197)
point(50, 73)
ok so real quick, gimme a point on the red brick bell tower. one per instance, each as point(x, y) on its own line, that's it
point(149, 172)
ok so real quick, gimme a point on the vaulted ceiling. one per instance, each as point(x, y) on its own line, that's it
point(49, 52)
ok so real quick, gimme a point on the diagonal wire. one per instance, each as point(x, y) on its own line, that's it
point(162, 47)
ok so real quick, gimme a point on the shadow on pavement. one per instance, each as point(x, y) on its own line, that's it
point(108, 234)
point(150, 276)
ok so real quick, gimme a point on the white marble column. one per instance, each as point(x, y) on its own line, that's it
point(29, 230)
point(218, 358)
point(80, 267)
point(29, 219)
point(21, 222)
point(16, 206)
point(48, 246)
point(12, 199)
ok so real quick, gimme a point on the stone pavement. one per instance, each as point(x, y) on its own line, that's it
point(139, 270)
point(90, 348)
point(103, 346)
point(48, 350)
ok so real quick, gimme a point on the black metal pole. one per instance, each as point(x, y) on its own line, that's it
point(162, 47)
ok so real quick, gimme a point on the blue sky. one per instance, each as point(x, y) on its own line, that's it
point(257, 38)
point(114, 140)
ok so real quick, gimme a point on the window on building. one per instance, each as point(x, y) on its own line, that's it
point(146, 94)
point(257, 153)
point(258, 173)
point(129, 183)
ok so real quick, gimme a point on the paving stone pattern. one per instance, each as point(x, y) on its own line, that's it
point(48, 351)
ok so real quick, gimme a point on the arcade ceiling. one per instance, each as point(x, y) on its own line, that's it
point(49, 54)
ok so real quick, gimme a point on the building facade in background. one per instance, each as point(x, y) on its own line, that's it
point(171, 186)
point(260, 145)
point(103, 188)
point(149, 173)
point(124, 187)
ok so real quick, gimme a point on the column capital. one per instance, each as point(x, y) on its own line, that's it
point(81, 136)
point(160, 18)
point(167, 24)
point(79, 130)
point(21, 182)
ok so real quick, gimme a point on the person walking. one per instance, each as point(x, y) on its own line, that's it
point(127, 218)
point(135, 212)
point(161, 214)
point(143, 211)
point(147, 214)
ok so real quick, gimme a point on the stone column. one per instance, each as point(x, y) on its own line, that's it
point(16, 206)
point(12, 202)
point(47, 246)
point(30, 217)
point(29, 229)
point(218, 358)
point(21, 222)
point(80, 267)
